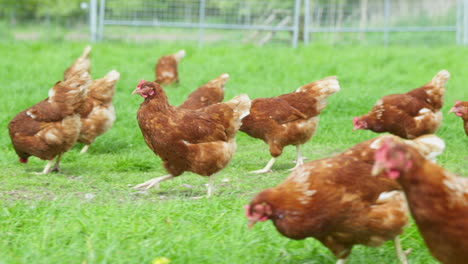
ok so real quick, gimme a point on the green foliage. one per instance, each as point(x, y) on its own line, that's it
point(89, 214)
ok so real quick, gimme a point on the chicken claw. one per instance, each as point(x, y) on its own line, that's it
point(267, 167)
point(152, 183)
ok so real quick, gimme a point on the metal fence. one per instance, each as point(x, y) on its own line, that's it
point(252, 15)
point(386, 17)
point(358, 22)
point(307, 20)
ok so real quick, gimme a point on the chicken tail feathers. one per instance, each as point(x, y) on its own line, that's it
point(430, 146)
point(112, 76)
point(241, 105)
point(329, 85)
point(86, 52)
point(440, 79)
point(220, 81)
point(179, 55)
point(324, 87)
point(82, 64)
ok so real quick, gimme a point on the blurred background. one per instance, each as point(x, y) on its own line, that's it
point(259, 22)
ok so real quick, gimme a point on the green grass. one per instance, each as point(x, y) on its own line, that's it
point(88, 214)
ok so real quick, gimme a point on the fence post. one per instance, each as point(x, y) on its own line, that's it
point(201, 22)
point(387, 8)
point(306, 21)
point(458, 26)
point(465, 22)
point(102, 7)
point(297, 8)
point(92, 20)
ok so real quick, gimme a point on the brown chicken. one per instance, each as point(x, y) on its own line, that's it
point(207, 94)
point(288, 119)
point(166, 68)
point(438, 200)
point(333, 201)
point(97, 112)
point(82, 64)
point(461, 109)
point(408, 115)
point(51, 127)
point(201, 141)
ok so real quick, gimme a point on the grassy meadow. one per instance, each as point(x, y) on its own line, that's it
point(89, 214)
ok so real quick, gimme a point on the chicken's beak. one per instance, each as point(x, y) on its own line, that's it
point(377, 168)
point(453, 110)
point(136, 91)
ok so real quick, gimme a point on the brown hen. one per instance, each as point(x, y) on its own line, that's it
point(200, 141)
point(288, 119)
point(438, 200)
point(333, 201)
point(51, 127)
point(97, 112)
point(408, 115)
point(166, 68)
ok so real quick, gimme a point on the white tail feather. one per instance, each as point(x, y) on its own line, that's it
point(179, 55)
point(112, 76)
point(441, 78)
point(86, 52)
point(224, 76)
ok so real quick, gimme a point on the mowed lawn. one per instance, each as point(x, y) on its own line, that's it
point(89, 214)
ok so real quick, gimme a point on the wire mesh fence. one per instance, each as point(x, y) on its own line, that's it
point(246, 15)
point(359, 22)
point(383, 20)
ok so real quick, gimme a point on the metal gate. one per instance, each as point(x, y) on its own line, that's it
point(254, 15)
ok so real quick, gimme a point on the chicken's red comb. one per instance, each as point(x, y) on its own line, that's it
point(142, 81)
point(457, 102)
point(355, 121)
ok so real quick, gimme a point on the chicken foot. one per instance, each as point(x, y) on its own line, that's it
point(300, 159)
point(84, 149)
point(401, 255)
point(56, 167)
point(267, 167)
point(341, 261)
point(210, 186)
point(48, 168)
point(153, 182)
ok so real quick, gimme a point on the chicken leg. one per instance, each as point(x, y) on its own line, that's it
point(48, 168)
point(210, 186)
point(267, 167)
point(299, 159)
point(401, 255)
point(153, 182)
point(84, 149)
point(341, 261)
point(56, 167)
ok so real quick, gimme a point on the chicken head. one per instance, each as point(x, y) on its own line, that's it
point(144, 88)
point(359, 123)
point(392, 158)
point(257, 213)
point(459, 109)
